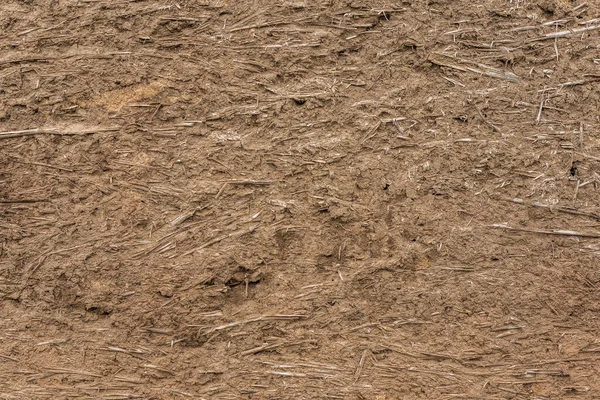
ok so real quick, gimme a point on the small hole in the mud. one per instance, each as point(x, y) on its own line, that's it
point(414, 240)
point(232, 283)
point(495, 259)
point(98, 310)
point(299, 101)
point(386, 187)
point(573, 171)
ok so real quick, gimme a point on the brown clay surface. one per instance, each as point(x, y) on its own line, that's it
point(298, 199)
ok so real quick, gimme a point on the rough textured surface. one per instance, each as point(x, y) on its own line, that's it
point(297, 199)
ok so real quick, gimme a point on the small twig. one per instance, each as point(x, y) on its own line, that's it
point(493, 127)
point(587, 156)
point(179, 19)
point(507, 328)
point(267, 24)
point(539, 115)
point(264, 347)
point(186, 215)
point(564, 33)
point(155, 112)
point(56, 131)
point(157, 368)
point(45, 165)
point(158, 331)
point(371, 132)
point(361, 365)
point(216, 240)
point(580, 82)
point(72, 372)
point(481, 69)
point(21, 201)
point(29, 132)
point(454, 81)
point(274, 317)
point(267, 346)
point(51, 342)
point(556, 44)
point(250, 182)
point(458, 269)
point(556, 232)
point(566, 210)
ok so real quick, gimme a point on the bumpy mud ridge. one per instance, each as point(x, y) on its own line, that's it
point(299, 199)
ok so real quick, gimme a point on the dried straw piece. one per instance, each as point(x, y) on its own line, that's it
point(564, 33)
point(481, 69)
point(556, 232)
